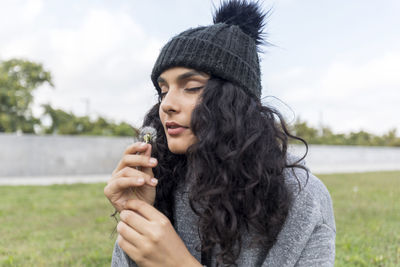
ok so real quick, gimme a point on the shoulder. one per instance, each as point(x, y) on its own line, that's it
point(311, 200)
point(308, 234)
point(310, 222)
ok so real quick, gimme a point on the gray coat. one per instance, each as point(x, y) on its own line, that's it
point(306, 239)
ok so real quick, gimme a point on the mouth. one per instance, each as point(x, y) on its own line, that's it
point(174, 128)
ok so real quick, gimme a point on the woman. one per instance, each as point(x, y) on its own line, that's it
point(226, 192)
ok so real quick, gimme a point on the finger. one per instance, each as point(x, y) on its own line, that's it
point(135, 221)
point(149, 170)
point(128, 172)
point(121, 184)
point(136, 147)
point(129, 234)
point(132, 172)
point(136, 161)
point(126, 246)
point(146, 210)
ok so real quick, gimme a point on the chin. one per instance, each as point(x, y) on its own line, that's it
point(177, 150)
point(180, 145)
point(177, 147)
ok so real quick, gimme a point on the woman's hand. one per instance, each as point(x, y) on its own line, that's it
point(133, 178)
point(149, 239)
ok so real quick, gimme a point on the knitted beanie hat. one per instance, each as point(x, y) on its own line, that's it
point(227, 49)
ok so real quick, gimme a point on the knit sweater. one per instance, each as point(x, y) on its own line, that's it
point(306, 239)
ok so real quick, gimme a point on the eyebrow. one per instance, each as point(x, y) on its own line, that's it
point(184, 76)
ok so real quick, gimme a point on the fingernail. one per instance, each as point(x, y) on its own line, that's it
point(142, 144)
point(154, 180)
point(153, 160)
point(122, 215)
point(140, 180)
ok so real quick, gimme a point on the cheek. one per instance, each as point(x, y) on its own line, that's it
point(160, 115)
point(162, 118)
point(191, 106)
point(190, 112)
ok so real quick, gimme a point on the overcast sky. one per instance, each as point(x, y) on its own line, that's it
point(335, 63)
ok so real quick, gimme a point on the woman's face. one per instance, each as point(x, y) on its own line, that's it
point(180, 91)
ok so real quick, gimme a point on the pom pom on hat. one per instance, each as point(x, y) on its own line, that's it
point(248, 16)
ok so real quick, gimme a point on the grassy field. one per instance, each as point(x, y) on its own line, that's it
point(60, 225)
point(367, 213)
point(68, 225)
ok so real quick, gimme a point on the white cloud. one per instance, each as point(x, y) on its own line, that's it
point(20, 11)
point(17, 18)
point(344, 79)
point(346, 95)
point(105, 58)
point(32, 9)
point(100, 35)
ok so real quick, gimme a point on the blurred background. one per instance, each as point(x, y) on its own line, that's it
point(331, 63)
point(75, 85)
point(83, 68)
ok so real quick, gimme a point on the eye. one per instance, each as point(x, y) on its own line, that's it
point(161, 96)
point(194, 89)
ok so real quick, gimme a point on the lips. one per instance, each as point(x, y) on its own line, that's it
point(174, 128)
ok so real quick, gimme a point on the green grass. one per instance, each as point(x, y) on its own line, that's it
point(69, 225)
point(367, 213)
point(60, 225)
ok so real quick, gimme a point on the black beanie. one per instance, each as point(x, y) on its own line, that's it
point(227, 49)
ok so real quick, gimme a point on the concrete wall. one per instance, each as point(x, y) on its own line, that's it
point(336, 159)
point(30, 155)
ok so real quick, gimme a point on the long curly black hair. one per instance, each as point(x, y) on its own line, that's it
point(236, 169)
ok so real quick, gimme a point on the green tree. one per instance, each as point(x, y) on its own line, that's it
point(360, 138)
point(18, 79)
point(391, 139)
point(326, 136)
point(301, 129)
point(63, 122)
point(124, 129)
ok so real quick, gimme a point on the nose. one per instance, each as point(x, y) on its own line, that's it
point(170, 102)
